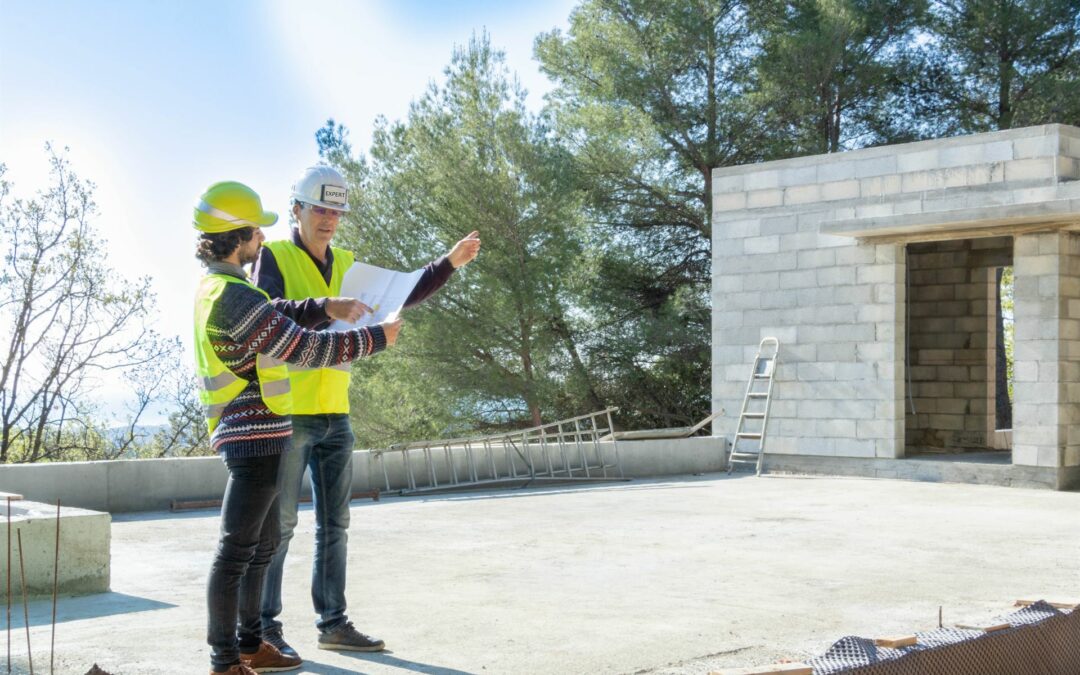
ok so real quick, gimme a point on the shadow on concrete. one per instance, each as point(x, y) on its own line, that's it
point(79, 608)
point(384, 658)
point(683, 483)
point(528, 490)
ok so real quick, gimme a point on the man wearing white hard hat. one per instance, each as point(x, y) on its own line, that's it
point(303, 276)
point(242, 346)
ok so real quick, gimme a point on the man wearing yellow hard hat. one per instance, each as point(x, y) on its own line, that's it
point(242, 348)
point(292, 271)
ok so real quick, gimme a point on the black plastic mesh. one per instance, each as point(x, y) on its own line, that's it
point(1042, 640)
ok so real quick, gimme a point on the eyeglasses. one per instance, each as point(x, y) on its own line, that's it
point(323, 211)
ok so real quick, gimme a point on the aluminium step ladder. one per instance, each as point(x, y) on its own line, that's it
point(749, 444)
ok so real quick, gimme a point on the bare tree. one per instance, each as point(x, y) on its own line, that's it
point(67, 320)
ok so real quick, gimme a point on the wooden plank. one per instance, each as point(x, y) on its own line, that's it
point(774, 669)
point(10, 496)
point(985, 629)
point(1056, 605)
point(894, 642)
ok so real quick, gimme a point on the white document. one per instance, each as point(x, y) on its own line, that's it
point(384, 291)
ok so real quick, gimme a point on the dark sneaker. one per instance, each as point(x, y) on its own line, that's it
point(346, 638)
point(276, 638)
point(269, 660)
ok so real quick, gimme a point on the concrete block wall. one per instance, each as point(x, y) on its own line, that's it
point(836, 307)
point(152, 484)
point(805, 250)
point(1046, 415)
point(951, 328)
point(968, 182)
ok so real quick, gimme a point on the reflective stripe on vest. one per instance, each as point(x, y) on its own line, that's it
point(316, 391)
point(219, 386)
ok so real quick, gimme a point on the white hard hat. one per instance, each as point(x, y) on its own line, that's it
point(322, 186)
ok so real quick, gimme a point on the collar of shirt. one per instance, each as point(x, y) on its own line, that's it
point(324, 267)
point(222, 267)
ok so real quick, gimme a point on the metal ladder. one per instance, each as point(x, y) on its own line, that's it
point(572, 450)
point(749, 444)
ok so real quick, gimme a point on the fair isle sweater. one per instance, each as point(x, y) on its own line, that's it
point(242, 324)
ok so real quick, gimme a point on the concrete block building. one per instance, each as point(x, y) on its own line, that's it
point(877, 270)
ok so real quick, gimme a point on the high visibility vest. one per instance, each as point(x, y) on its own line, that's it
point(316, 391)
point(218, 386)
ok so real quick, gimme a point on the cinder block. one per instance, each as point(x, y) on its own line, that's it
point(1038, 168)
point(729, 201)
point(879, 210)
point(1034, 146)
point(761, 180)
point(816, 258)
point(918, 161)
point(735, 229)
point(872, 274)
point(778, 225)
point(857, 255)
point(857, 370)
point(802, 194)
point(807, 279)
point(798, 176)
point(763, 281)
point(960, 155)
point(846, 189)
point(836, 351)
point(836, 276)
point(1048, 456)
point(880, 186)
point(840, 168)
point(1068, 168)
point(730, 183)
point(1027, 455)
point(836, 428)
point(760, 199)
point(755, 245)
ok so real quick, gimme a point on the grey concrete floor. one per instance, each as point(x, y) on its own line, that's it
point(666, 576)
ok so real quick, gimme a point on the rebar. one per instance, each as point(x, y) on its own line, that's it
point(55, 589)
point(26, 604)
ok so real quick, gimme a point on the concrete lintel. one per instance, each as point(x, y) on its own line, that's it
point(990, 221)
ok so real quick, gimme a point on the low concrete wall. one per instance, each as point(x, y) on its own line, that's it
point(152, 484)
point(84, 549)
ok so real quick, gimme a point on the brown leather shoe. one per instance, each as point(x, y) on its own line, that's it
point(269, 660)
point(239, 669)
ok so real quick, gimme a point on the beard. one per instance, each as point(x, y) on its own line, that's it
point(249, 255)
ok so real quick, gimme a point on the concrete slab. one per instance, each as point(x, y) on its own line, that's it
point(663, 576)
point(84, 549)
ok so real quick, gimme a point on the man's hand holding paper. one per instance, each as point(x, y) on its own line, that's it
point(378, 294)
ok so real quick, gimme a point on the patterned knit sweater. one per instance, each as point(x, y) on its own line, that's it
point(242, 324)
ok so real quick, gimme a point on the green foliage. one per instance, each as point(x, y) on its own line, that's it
point(469, 157)
point(829, 71)
point(999, 64)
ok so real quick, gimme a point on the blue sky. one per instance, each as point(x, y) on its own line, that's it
point(158, 99)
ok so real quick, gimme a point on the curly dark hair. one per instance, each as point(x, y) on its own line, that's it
point(215, 247)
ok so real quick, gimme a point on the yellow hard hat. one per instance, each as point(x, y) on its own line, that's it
point(229, 206)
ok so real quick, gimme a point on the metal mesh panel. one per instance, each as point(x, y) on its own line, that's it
point(1042, 640)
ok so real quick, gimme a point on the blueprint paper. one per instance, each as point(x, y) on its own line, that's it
point(384, 291)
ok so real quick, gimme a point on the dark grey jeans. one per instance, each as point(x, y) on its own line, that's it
point(250, 532)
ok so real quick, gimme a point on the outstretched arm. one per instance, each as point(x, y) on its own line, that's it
point(437, 272)
point(245, 318)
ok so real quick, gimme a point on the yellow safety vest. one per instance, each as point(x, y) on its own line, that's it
point(218, 386)
point(316, 391)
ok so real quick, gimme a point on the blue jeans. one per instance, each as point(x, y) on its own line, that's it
point(323, 443)
point(249, 537)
